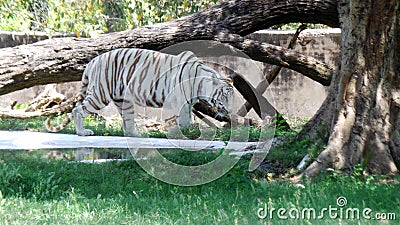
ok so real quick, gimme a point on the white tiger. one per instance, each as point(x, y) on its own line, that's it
point(145, 77)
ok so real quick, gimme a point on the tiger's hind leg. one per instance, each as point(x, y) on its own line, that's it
point(126, 110)
point(184, 116)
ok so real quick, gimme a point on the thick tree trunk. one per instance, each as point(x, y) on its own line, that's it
point(62, 60)
point(366, 90)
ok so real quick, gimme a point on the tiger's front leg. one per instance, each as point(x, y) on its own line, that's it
point(79, 114)
point(183, 120)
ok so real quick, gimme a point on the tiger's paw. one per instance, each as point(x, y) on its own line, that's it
point(85, 132)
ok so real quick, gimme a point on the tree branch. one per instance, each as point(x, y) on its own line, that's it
point(276, 55)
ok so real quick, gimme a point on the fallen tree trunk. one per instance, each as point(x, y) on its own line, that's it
point(63, 59)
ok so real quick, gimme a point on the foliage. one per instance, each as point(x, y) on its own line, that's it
point(90, 17)
point(294, 26)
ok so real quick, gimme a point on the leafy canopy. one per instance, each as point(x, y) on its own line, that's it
point(90, 17)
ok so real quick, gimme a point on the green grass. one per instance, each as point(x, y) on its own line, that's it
point(35, 190)
point(102, 127)
point(99, 125)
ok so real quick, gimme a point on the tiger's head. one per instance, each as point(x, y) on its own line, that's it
point(222, 99)
point(217, 91)
point(219, 100)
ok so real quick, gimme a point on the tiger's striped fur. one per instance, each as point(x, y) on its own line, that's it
point(147, 78)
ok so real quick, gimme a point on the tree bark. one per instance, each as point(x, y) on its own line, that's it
point(366, 91)
point(63, 59)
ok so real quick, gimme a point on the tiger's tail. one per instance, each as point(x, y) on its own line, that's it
point(58, 128)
